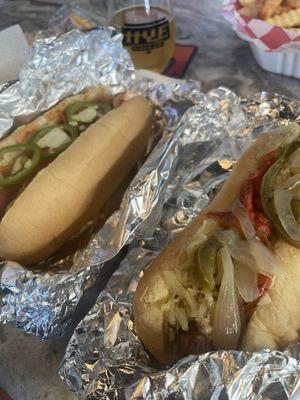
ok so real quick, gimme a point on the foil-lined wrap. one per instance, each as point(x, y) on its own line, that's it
point(58, 67)
point(42, 302)
point(104, 358)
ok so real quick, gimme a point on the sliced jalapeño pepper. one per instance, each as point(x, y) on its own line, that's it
point(75, 108)
point(269, 186)
point(31, 150)
point(71, 131)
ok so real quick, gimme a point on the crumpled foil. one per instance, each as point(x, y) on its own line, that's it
point(40, 302)
point(58, 67)
point(104, 358)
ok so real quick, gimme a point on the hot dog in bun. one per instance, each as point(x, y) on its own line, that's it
point(230, 279)
point(57, 172)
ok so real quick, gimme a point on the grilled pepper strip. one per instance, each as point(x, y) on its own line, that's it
point(21, 175)
point(75, 108)
point(269, 186)
point(206, 261)
point(71, 131)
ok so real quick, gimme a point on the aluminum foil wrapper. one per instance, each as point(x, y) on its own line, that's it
point(61, 66)
point(105, 359)
point(40, 302)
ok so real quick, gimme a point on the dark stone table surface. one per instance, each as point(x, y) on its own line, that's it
point(28, 366)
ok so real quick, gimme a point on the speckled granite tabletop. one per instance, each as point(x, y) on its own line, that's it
point(28, 367)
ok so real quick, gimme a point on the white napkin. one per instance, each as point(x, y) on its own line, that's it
point(13, 49)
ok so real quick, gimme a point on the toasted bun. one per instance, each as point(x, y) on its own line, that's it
point(275, 322)
point(154, 288)
point(64, 196)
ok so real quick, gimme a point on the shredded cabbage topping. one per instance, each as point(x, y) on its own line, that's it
point(205, 281)
point(186, 301)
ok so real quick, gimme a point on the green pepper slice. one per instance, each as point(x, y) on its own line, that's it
point(268, 187)
point(74, 108)
point(206, 263)
point(21, 175)
point(70, 130)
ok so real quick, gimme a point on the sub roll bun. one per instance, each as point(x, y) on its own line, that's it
point(63, 195)
point(229, 280)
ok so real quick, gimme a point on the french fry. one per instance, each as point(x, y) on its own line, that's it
point(81, 22)
point(293, 3)
point(269, 8)
point(252, 10)
point(296, 28)
point(245, 3)
point(281, 9)
point(286, 20)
